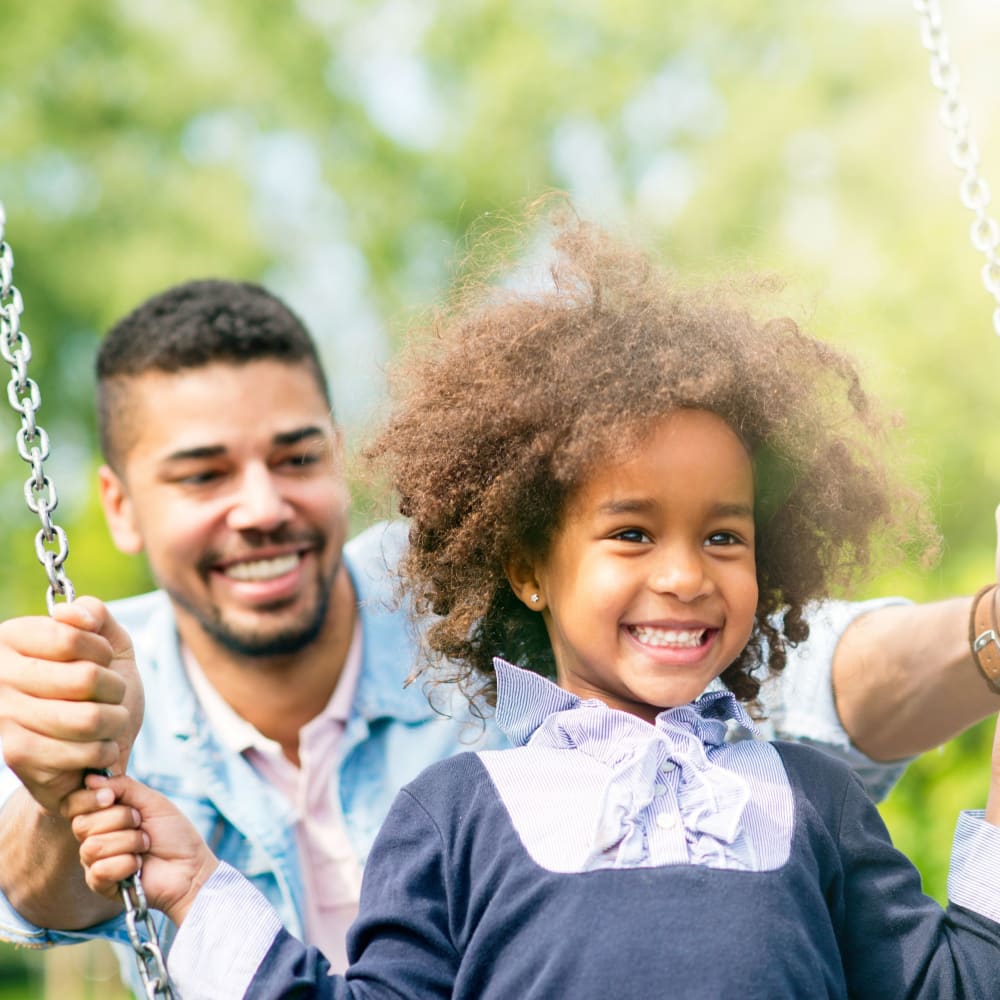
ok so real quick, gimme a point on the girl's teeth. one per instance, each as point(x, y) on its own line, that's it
point(668, 636)
point(262, 569)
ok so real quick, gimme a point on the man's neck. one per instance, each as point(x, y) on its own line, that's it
point(279, 695)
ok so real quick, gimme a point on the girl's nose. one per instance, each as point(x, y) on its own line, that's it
point(681, 572)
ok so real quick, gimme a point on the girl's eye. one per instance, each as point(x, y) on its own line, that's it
point(722, 538)
point(631, 535)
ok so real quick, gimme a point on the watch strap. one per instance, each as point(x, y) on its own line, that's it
point(984, 634)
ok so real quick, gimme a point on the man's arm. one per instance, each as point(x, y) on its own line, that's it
point(70, 700)
point(905, 680)
point(42, 878)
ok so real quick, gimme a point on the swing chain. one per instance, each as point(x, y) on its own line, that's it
point(52, 548)
point(148, 956)
point(51, 545)
point(963, 151)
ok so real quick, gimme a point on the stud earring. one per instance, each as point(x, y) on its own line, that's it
point(534, 598)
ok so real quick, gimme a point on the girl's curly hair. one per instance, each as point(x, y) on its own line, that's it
point(519, 393)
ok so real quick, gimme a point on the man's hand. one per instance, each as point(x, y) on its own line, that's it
point(993, 801)
point(70, 698)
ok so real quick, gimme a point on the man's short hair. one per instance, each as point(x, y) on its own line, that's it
point(190, 326)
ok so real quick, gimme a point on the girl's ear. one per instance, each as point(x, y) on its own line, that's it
point(524, 581)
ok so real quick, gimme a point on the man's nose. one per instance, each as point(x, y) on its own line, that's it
point(258, 503)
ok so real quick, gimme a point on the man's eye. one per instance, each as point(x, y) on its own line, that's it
point(200, 478)
point(303, 459)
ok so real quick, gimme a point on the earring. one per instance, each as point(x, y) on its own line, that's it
point(534, 598)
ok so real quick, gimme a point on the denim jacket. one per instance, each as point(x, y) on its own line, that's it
point(392, 734)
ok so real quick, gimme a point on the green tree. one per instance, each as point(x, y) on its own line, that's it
point(341, 153)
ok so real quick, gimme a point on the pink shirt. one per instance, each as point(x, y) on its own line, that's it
point(331, 874)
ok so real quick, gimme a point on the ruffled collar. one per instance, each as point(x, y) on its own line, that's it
point(652, 767)
point(525, 700)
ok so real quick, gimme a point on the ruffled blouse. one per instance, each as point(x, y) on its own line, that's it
point(588, 786)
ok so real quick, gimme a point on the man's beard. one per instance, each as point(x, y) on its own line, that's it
point(255, 645)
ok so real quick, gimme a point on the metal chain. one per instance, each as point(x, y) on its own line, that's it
point(963, 151)
point(32, 441)
point(52, 548)
point(148, 956)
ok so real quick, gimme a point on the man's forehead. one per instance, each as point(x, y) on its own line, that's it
point(226, 408)
point(216, 373)
point(220, 387)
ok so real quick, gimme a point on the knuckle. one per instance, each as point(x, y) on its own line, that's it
point(88, 850)
point(108, 754)
point(82, 681)
point(119, 719)
point(90, 719)
point(59, 641)
point(21, 756)
point(13, 750)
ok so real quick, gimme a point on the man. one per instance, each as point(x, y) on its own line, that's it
point(273, 658)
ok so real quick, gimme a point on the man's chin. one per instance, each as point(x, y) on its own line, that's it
point(260, 645)
point(269, 632)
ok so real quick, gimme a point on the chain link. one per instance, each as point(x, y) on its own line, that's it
point(52, 548)
point(149, 958)
point(32, 441)
point(963, 151)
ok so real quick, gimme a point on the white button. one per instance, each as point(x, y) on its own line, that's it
point(666, 821)
point(668, 767)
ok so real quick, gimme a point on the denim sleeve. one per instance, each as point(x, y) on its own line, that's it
point(16, 930)
point(799, 701)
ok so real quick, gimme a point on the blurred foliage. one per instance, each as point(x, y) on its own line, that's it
point(340, 152)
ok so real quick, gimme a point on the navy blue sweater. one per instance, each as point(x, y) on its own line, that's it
point(452, 906)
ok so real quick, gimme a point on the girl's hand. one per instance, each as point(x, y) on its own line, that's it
point(122, 825)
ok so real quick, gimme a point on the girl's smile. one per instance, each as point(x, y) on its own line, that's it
point(679, 643)
point(649, 586)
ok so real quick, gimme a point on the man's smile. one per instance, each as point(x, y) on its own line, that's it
point(253, 570)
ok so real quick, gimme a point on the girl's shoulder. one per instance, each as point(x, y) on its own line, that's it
point(822, 780)
point(449, 784)
point(812, 761)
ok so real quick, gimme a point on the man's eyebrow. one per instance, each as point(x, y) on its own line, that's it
point(299, 434)
point(282, 440)
point(202, 451)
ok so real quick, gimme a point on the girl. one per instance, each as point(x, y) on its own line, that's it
point(630, 492)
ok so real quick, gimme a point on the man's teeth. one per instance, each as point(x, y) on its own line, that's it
point(668, 636)
point(262, 569)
